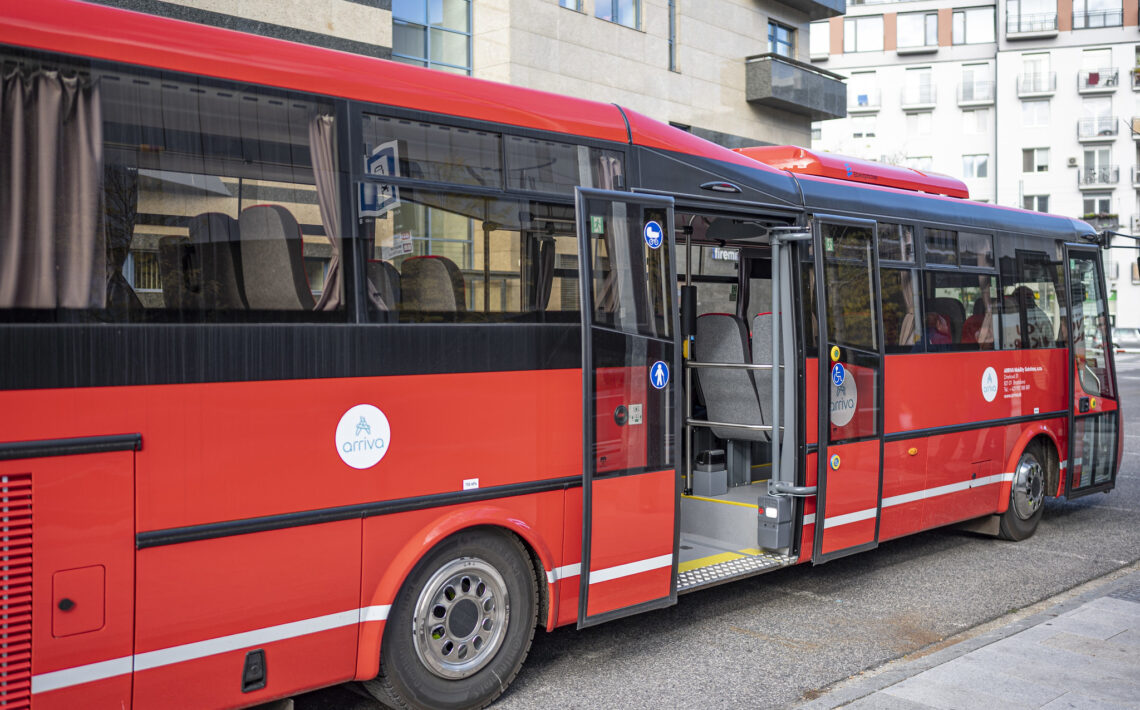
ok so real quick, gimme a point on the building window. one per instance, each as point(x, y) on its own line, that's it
point(976, 122)
point(1035, 114)
point(975, 166)
point(1096, 70)
point(918, 123)
point(1097, 204)
point(1097, 13)
point(433, 34)
point(863, 34)
point(917, 29)
point(863, 126)
point(863, 91)
point(816, 131)
point(1035, 75)
point(973, 26)
point(1030, 16)
point(1035, 160)
point(1037, 203)
point(919, 162)
point(575, 5)
point(623, 12)
point(918, 87)
point(977, 83)
point(819, 39)
point(781, 39)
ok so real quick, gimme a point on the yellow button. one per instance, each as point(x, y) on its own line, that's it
point(912, 451)
point(834, 353)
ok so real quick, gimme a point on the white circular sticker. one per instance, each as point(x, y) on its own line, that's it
point(362, 436)
point(989, 384)
point(844, 398)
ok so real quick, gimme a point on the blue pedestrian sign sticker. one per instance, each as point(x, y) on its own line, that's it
point(837, 374)
point(659, 375)
point(654, 235)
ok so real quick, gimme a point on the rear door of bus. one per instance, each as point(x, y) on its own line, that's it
point(849, 496)
point(630, 425)
point(1094, 417)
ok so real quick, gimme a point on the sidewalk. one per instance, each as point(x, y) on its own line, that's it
point(1078, 650)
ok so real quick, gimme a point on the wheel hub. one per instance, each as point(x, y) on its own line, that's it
point(460, 618)
point(1028, 488)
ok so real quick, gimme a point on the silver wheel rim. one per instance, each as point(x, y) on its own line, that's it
point(461, 618)
point(1028, 487)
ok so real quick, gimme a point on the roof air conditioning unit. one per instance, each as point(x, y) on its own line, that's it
point(1072, 162)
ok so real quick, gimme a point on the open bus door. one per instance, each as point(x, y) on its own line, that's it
point(1094, 417)
point(631, 397)
point(849, 495)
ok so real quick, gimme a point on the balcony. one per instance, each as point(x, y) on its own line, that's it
point(1098, 18)
point(1135, 79)
point(791, 85)
point(1101, 80)
point(1136, 128)
point(817, 9)
point(1097, 177)
point(918, 97)
point(1102, 221)
point(1040, 84)
point(1041, 24)
point(1100, 128)
point(976, 93)
point(1135, 177)
point(863, 100)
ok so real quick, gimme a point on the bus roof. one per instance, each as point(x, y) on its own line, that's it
point(806, 162)
point(101, 32)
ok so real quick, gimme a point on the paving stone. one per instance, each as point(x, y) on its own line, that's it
point(1077, 701)
point(1093, 623)
point(883, 701)
point(979, 676)
point(1094, 648)
point(947, 697)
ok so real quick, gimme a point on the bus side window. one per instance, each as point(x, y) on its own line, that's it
point(1031, 299)
point(902, 330)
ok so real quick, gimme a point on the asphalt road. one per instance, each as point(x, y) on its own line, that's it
point(779, 638)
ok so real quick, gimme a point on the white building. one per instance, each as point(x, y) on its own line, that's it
point(1032, 103)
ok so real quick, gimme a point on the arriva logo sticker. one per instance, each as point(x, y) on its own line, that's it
point(989, 384)
point(362, 436)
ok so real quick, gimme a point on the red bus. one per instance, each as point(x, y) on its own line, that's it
point(319, 368)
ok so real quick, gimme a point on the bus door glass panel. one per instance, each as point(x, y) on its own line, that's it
point(631, 393)
point(1094, 442)
point(849, 479)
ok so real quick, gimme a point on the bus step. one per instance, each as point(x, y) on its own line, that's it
point(724, 571)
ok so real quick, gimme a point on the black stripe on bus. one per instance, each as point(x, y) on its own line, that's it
point(208, 531)
point(956, 428)
point(44, 448)
point(59, 355)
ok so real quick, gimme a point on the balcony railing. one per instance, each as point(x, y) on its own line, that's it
point(1098, 127)
point(1101, 222)
point(1098, 176)
point(1135, 177)
point(1098, 80)
point(976, 92)
point(863, 99)
point(917, 96)
point(1097, 18)
point(1039, 83)
point(791, 85)
point(1135, 79)
point(1036, 22)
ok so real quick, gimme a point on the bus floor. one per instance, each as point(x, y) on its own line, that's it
point(719, 538)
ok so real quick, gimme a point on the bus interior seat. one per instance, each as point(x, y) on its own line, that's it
point(181, 278)
point(730, 395)
point(762, 355)
point(953, 311)
point(431, 284)
point(385, 279)
point(217, 240)
point(272, 260)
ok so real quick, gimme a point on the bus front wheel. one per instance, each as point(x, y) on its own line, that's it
point(461, 626)
point(1026, 497)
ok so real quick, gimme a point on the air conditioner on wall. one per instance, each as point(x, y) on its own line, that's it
point(1072, 162)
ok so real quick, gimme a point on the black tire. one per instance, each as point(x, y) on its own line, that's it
point(1026, 496)
point(460, 627)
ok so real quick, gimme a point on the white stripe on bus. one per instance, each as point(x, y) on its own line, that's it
point(610, 573)
point(869, 513)
point(102, 670)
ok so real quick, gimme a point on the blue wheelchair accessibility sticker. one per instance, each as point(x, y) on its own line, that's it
point(837, 374)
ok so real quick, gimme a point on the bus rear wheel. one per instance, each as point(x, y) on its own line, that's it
point(1026, 497)
point(460, 627)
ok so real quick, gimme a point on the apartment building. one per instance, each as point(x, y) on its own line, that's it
point(1032, 103)
point(733, 71)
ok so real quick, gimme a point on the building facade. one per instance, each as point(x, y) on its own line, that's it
point(1033, 103)
point(734, 71)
